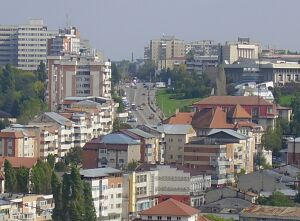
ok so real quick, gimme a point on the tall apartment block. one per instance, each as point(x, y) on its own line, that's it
point(242, 49)
point(24, 46)
point(77, 76)
point(166, 52)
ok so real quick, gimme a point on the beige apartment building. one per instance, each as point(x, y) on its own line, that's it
point(77, 76)
point(24, 46)
point(243, 48)
point(166, 52)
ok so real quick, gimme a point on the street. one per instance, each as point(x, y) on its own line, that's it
point(139, 96)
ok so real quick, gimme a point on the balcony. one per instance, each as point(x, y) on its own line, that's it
point(219, 161)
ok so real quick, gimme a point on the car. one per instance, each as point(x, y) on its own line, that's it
point(132, 119)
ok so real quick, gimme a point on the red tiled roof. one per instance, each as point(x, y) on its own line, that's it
point(240, 112)
point(171, 207)
point(180, 118)
point(211, 118)
point(233, 100)
point(18, 162)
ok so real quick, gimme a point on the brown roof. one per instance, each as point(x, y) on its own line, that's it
point(66, 115)
point(180, 118)
point(240, 112)
point(11, 134)
point(245, 124)
point(171, 207)
point(18, 162)
point(271, 211)
point(233, 100)
point(211, 118)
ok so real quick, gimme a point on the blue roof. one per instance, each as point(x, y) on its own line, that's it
point(117, 138)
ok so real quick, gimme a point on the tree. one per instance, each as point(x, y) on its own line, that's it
point(295, 124)
point(10, 184)
point(22, 179)
point(41, 72)
point(41, 178)
point(74, 156)
point(272, 140)
point(51, 160)
point(57, 196)
point(117, 125)
point(66, 197)
point(89, 209)
point(132, 165)
point(60, 167)
point(276, 199)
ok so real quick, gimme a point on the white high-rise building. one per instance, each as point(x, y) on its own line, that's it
point(24, 46)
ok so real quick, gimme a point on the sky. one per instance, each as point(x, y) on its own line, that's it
point(120, 27)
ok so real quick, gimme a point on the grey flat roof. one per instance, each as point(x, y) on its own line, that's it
point(99, 172)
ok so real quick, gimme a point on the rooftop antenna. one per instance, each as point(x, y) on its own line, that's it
point(67, 20)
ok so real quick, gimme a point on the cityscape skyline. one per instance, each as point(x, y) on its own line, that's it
point(123, 27)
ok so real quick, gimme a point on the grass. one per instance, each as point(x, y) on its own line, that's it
point(285, 100)
point(168, 105)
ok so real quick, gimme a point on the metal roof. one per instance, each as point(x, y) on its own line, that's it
point(99, 172)
point(57, 117)
point(229, 132)
point(140, 133)
point(117, 138)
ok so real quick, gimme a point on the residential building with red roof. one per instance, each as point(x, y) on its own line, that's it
point(170, 210)
point(260, 110)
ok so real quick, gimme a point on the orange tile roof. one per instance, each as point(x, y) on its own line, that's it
point(171, 207)
point(245, 124)
point(233, 100)
point(18, 162)
point(211, 118)
point(240, 112)
point(180, 118)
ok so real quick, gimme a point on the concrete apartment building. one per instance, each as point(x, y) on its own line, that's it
point(222, 153)
point(16, 142)
point(77, 76)
point(151, 184)
point(242, 49)
point(166, 52)
point(149, 144)
point(109, 192)
point(65, 131)
point(26, 207)
point(112, 150)
point(24, 46)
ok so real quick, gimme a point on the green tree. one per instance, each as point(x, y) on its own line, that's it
point(56, 186)
point(10, 184)
point(272, 140)
point(132, 165)
point(66, 196)
point(276, 199)
point(74, 156)
point(22, 179)
point(60, 167)
point(41, 72)
point(89, 208)
point(41, 178)
point(295, 124)
point(51, 160)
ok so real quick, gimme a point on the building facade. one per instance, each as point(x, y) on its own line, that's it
point(24, 46)
point(77, 76)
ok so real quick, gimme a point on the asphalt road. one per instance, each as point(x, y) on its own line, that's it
point(139, 96)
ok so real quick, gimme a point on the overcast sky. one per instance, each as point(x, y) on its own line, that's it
point(119, 27)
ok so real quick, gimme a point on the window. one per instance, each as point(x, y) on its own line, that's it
point(149, 217)
point(141, 178)
point(159, 218)
point(270, 110)
point(119, 185)
point(178, 218)
point(118, 205)
point(254, 112)
point(119, 195)
point(111, 196)
point(141, 190)
point(168, 217)
point(121, 160)
point(111, 206)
